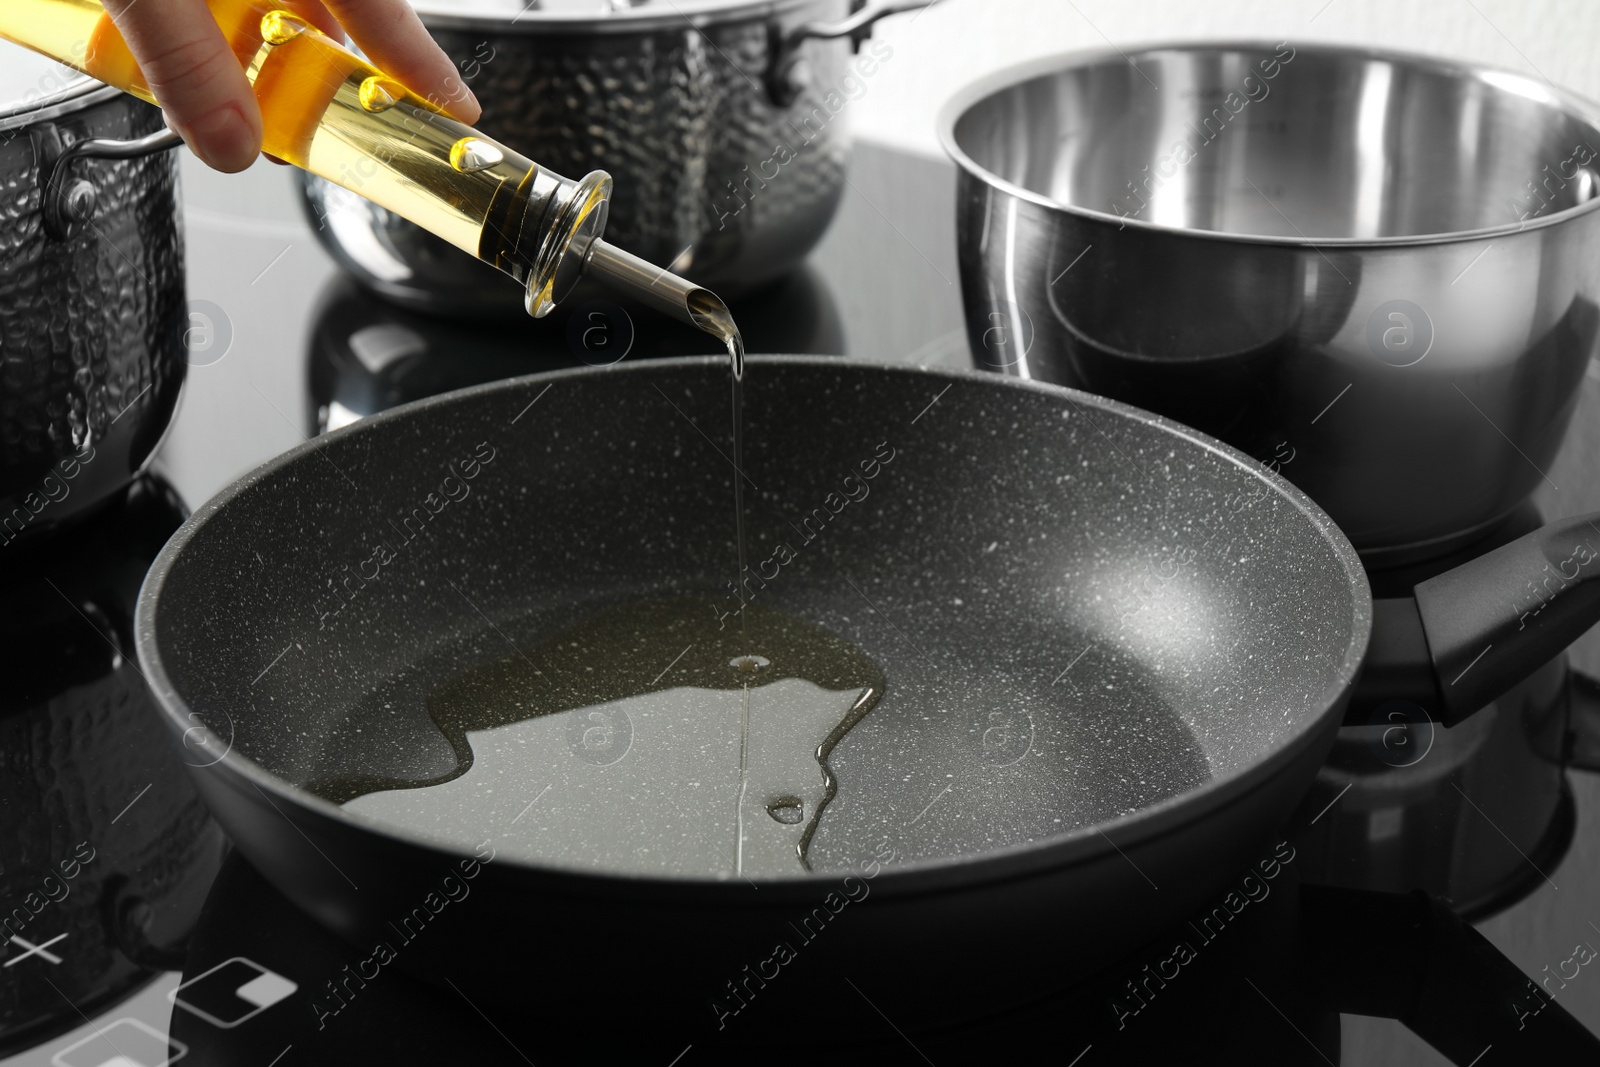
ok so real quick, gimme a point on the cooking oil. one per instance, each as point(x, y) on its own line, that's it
point(613, 744)
point(711, 316)
point(330, 112)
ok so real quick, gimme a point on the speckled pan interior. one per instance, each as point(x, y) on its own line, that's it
point(1083, 613)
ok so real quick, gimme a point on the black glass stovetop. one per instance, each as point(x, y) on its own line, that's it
point(137, 938)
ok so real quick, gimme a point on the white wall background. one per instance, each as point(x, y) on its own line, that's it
point(940, 50)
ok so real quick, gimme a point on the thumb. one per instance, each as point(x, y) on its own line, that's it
point(195, 76)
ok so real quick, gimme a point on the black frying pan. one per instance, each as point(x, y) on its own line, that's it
point(1163, 634)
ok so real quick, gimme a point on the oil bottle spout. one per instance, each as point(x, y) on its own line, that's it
point(659, 288)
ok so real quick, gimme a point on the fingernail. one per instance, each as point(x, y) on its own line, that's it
point(468, 109)
point(224, 139)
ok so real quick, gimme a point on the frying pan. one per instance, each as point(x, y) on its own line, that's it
point(1171, 630)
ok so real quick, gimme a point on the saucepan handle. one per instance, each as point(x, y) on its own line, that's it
point(70, 202)
point(858, 27)
point(785, 76)
point(1488, 624)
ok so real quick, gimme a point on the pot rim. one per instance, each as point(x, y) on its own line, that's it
point(652, 18)
point(79, 96)
point(1148, 823)
point(984, 88)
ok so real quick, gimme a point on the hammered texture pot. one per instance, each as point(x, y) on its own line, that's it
point(91, 327)
point(711, 173)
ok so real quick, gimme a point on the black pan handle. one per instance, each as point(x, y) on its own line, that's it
point(1493, 621)
point(1411, 958)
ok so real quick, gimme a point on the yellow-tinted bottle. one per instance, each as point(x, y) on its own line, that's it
point(330, 112)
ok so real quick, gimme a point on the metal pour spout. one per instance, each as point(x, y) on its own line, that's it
point(659, 288)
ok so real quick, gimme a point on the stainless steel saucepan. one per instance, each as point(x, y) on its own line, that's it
point(1375, 272)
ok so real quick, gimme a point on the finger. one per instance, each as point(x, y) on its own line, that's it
point(396, 42)
point(316, 13)
point(193, 73)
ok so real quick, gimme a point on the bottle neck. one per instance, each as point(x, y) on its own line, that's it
point(541, 232)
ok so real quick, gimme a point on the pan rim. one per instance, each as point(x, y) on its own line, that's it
point(990, 85)
point(1073, 847)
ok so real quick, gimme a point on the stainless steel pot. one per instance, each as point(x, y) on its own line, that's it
point(1375, 272)
point(92, 312)
point(723, 123)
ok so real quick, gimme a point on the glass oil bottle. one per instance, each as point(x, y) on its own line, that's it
point(330, 112)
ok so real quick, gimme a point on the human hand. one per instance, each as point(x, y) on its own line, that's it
point(203, 91)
